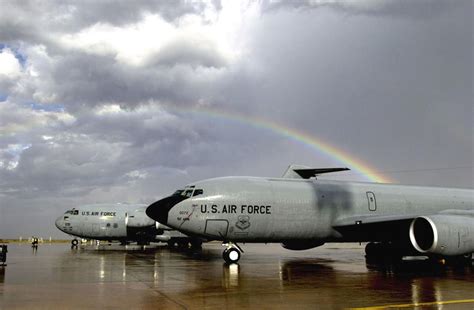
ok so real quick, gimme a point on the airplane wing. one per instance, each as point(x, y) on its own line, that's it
point(362, 220)
point(375, 228)
point(304, 172)
point(384, 227)
point(371, 219)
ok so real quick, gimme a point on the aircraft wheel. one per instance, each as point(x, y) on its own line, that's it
point(468, 257)
point(459, 260)
point(74, 242)
point(373, 249)
point(224, 254)
point(183, 244)
point(370, 249)
point(231, 255)
point(196, 244)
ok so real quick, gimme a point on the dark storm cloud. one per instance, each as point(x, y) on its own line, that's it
point(397, 82)
point(395, 8)
point(82, 79)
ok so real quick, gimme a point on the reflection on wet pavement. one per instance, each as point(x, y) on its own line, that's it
point(268, 276)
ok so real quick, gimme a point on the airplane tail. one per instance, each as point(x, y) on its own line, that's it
point(304, 172)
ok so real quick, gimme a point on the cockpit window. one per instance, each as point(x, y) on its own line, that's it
point(188, 192)
point(178, 192)
point(198, 192)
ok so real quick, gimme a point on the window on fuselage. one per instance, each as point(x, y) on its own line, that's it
point(115, 225)
point(108, 225)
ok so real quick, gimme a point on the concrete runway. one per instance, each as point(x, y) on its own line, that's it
point(267, 277)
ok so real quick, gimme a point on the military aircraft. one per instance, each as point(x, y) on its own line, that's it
point(302, 212)
point(122, 222)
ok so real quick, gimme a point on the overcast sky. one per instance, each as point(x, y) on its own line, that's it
point(100, 100)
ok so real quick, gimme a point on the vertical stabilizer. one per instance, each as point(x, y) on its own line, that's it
point(305, 172)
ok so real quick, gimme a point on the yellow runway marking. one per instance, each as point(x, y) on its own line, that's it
point(420, 304)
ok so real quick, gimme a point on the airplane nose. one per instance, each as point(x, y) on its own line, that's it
point(59, 222)
point(159, 210)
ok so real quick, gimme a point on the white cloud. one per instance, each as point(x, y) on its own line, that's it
point(109, 109)
point(10, 156)
point(137, 174)
point(214, 33)
point(10, 67)
point(16, 119)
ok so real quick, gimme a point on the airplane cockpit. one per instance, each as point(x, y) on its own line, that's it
point(159, 209)
point(188, 192)
point(72, 212)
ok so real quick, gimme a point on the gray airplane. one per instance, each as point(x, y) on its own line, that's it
point(122, 222)
point(301, 212)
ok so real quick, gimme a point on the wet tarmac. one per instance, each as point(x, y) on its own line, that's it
point(267, 277)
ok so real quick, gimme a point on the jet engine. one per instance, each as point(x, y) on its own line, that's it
point(140, 227)
point(443, 234)
point(137, 219)
point(301, 245)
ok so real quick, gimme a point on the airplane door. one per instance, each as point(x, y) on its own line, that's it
point(217, 228)
point(371, 201)
point(95, 229)
point(108, 230)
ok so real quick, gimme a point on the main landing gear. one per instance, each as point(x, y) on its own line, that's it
point(382, 252)
point(232, 253)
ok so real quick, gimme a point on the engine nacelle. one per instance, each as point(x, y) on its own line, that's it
point(301, 245)
point(138, 218)
point(443, 234)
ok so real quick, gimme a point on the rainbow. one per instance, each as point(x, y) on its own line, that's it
point(292, 134)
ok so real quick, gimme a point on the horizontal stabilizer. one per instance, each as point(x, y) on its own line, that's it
point(304, 172)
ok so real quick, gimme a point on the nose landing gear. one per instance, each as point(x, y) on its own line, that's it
point(232, 253)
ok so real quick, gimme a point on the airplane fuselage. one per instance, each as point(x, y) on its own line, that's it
point(104, 221)
point(277, 210)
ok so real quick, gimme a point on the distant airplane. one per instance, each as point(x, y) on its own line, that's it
point(122, 222)
point(302, 212)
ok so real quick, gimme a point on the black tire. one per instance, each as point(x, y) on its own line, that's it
point(459, 260)
point(74, 242)
point(468, 257)
point(231, 255)
point(371, 249)
point(224, 254)
point(196, 244)
point(183, 244)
